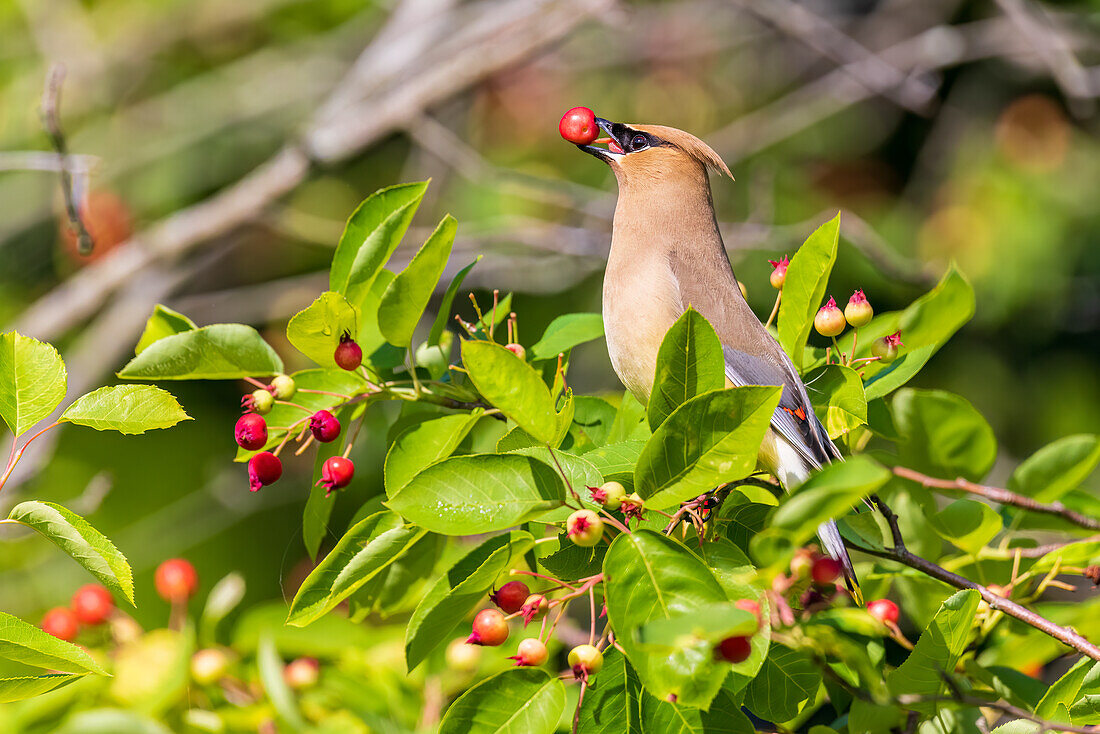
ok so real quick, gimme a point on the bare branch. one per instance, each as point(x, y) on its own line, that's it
point(51, 120)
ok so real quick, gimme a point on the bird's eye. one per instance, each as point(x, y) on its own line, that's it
point(639, 142)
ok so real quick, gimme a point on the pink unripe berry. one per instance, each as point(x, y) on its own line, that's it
point(517, 349)
point(578, 125)
point(92, 604)
point(858, 312)
point(779, 272)
point(348, 355)
point(734, 649)
point(585, 528)
point(302, 673)
point(336, 473)
point(829, 320)
point(585, 660)
point(530, 652)
point(263, 469)
point(825, 571)
point(324, 426)
point(61, 623)
point(511, 596)
point(251, 431)
point(884, 611)
point(489, 629)
point(176, 580)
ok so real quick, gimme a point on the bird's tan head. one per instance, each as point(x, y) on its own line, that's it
point(641, 154)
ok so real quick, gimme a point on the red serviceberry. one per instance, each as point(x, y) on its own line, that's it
point(752, 608)
point(489, 629)
point(92, 604)
point(511, 596)
point(176, 580)
point(586, 661)
point(884, 611)
point(585, 528)
point(348, 355)
point(534, 607)
point(324, 426)
point(779, 272)
point(61, 623)
point(825, 570)
point(886, 348)
point(578, 125)
point(251, 431)
point(829, 320)
point(530, 652)
point(336, 473)
point(263, 469)
point(302, 673)
point(858, 312)
point(734, 649)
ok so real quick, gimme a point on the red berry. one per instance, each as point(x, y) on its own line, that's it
point(489, 629)
point(251, 432)
point(825, 570)
point(336, 473)
point(751, 607)
point(263, 469)
point(884, 611)
point(61, 623)
point(176, 580)
point(302, 673)
point(348, 355)
point(578, 125)
point(511, 596)
point(734, 649)
point(92, 604)
point(530, 652)
point(324, 426)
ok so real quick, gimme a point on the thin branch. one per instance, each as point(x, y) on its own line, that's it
point(1004, 496)
point(51, 120)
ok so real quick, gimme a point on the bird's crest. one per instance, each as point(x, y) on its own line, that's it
point(690, 144)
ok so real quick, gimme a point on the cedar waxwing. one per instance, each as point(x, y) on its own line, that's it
point(667, 254)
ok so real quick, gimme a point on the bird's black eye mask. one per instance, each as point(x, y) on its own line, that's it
point(622, 140)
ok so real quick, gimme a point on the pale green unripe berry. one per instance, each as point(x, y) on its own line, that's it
point(284, 387)
point(262, 401)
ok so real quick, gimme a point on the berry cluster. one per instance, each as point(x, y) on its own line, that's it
point(251, 430)
point(90, 606)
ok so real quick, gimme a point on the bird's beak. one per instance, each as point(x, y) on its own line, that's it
point(614, 149)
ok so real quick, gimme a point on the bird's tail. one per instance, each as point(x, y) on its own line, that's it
point(829, 534)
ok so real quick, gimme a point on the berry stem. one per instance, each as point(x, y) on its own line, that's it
point(551, 579)
point(839, 351)
point(561, 471)
point(614, 523)
point(325, 392)
point(305, 445)
point(255, 383)
point(493, 318)
point(775, 309)
point(592, 615)
point(855, 339)
point(577, 713)
point(295, 405)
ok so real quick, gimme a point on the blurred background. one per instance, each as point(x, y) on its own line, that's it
point(218, 148)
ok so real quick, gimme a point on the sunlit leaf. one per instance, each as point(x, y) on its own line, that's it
point(838, 399)
point(566, 332)
point(17, 689)
point(278, 692)
point(163, 322)
point(1057, 468)
point(407, 296)
point(689, 363)
point(967, 524)
point(32, 380)
point(944, 435)
point(216, 352)
point(129, 409)
point(513, 386)
point(25, 643)
point(315, 331)
point(517, 701)
point(787, 678)
point(804, 288)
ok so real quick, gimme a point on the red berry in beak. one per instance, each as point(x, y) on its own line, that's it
point(348, 355)
point(263, 469)
point(61, 623)
point(336, 473)
point(511, 596)
point(324, 426)
point(92, 604)
point(251, 432)
point(489, 629)
point(176, 580)
point(578, 125)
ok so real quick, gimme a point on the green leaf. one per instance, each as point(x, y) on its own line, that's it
point(579, 472)
point(710, 440)
point(315, 331)
point(111, 721)
point(443, 317)
point(1057, 468)
point(223, 598)
point(163, 322)
point(129, 409)
point(372, 233)
point(967, 524)
point(838, 399)
point(944, 435)
point(615, 460)
point(787, 678)
point(463, 495)
point(25, 643)
point(216, 352)
point(937, 651)
point(566, 332)
point(689, 363)
point(649, 577)
point(407, 296)
point(319, 505)
point(355, 560)
point(32, 380)
point(509, 383)
point(423, 444)
point(458, 591)
point(571, 561)
point(899, 372)
point(518, 701)
point(278, 692)
point(712, 623)
point(87, 546)
point(17, 689)
point(613, 704)
point(807, 276)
